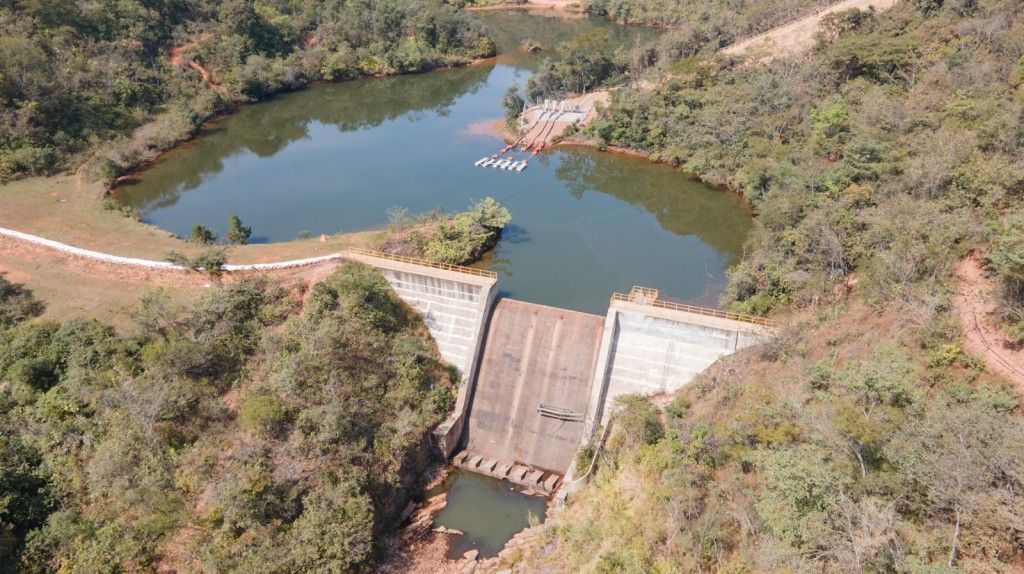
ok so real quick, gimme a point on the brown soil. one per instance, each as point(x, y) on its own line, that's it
point(559, 5)
point(204, 73)
point(797, 36)
point(976, 303)
point(417, 548)
point(73, 286)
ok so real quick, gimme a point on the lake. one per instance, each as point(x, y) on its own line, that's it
point(334, 158)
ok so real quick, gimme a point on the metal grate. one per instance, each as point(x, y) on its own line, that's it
point(561, 414)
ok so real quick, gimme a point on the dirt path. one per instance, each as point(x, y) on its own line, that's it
point(204, 73)
point(975, 301)
point(797, 36)
point(788, 40)
point(560, 5)
point(73, 285)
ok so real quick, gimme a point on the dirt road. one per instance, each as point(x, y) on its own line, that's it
point(975, 301)
point(797, 36)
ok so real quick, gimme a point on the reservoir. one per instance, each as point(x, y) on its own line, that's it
point(335, 158)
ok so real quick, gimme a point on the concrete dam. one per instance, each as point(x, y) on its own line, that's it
point(537, 381)
point(534, 384)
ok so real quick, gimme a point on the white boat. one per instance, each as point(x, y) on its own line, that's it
point(501, 164)
point(489, 162)
point(511, 164)
point(480, 161)
point(521, 166)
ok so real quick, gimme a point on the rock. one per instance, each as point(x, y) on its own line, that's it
point(409, 509)
point(471, 554)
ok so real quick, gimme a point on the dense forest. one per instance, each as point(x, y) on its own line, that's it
point(241, 434)
point(864, 437)
point(97, 82)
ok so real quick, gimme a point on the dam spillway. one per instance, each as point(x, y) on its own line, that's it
point(533, 386)
point(538, 381)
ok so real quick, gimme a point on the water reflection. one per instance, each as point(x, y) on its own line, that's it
point(334, 158)
point(265, 130)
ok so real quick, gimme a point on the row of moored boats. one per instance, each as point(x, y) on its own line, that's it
point(509, 163)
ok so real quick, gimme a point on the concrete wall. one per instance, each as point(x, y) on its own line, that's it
point(455, 307)
point(534, 355)
point(651, 350)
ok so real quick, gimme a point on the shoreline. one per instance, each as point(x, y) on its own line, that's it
point(500, 129)
point(151, 157)
point(570, 7)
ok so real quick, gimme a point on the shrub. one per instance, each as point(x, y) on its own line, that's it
point(237, 234)
point(202, 235)
point(17, 304)
point(262, 413)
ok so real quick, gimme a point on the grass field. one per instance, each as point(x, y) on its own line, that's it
point(63, 209)
point(66, 210)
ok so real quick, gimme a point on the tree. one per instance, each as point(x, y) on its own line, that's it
point(961, 455)
point(334, 533)
point(513, 104)
point(17, 304)
point(202, 235)
point(211, 261)
point(490, 214)
point(237, 233)
point(261, 413)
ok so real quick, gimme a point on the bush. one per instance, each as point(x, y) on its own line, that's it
point(262, 413)
point(238, 234)
point(17, 304)
point(210, 261)
point(27, 160)
point(202, 235)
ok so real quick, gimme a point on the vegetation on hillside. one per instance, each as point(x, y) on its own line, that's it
point(73, 75)
point(715, 24)
point(238, 435)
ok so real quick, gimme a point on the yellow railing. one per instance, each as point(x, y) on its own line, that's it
point(423, 262)
point(647, 296)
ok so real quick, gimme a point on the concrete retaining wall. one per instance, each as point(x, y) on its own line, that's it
point(650, 350)
point(455, 307)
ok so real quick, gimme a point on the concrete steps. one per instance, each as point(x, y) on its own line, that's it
point(529, 477)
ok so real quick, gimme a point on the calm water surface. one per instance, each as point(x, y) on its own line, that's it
point(334, 158)
point(488, 511)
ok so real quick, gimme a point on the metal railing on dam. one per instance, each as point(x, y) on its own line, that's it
point(648, 296)
point(423, 262)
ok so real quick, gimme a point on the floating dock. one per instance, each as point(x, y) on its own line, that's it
point(532, 141)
